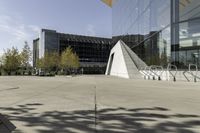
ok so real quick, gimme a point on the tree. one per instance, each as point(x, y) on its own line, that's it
point(12, 60)
point(75, 61)
point(26, 56)
point(69, 60)
point(40, 63)
point(53, 60)
point(50, 61)
point(1, 62)
point(163, 59)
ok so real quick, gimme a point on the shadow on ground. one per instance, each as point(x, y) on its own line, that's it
point(110, 120)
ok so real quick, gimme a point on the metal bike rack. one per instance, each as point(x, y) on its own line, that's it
point(147, 72)
point(154, 69)
point(186, 76)
point(169, 69)
point(143, 71)
point(193, 74)
point(150, 73)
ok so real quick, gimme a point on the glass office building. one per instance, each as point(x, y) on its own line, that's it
point(159, 31)
point(93, 52)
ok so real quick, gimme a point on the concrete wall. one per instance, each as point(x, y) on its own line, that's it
point(118, 66)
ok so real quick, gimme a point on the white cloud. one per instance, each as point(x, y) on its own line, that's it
point(34, 28)
point(90, 30)
point(17, 31)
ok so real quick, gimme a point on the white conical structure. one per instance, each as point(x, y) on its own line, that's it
point(123, 62)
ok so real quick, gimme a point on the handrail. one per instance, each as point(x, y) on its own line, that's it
point(194, 75)
point(169, 69)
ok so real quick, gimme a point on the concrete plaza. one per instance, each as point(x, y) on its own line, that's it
point(67, 105)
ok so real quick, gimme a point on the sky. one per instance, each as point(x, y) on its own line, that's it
point(22, 20)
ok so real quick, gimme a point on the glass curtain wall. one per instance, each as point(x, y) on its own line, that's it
point(188, 51)
point(144, 25)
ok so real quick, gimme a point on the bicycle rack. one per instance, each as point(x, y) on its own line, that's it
point(196, 71)
point(151, 73)
point(193, 74)
point(169, 69)
point(154, 70)
point(148, 72)
point(143, 71)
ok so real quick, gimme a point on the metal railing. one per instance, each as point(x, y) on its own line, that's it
point(191, 72)
point(143, 71)
point(171, 67)
point(146, 72)
point(148, 69)
point(152, 71)
point(157, 71)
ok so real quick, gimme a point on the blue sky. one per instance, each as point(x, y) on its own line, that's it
point(21, 20)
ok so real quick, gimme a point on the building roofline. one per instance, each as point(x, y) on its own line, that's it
point(36, 39)
point(84, 36)
point(69, 34)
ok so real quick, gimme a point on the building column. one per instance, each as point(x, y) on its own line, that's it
point(175, 30)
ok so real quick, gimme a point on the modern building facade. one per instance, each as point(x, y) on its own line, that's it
point(159, 31)
point(93, 52)
point(35, 51)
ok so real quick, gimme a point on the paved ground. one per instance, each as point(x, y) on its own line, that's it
point(66, 105)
